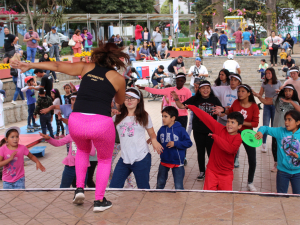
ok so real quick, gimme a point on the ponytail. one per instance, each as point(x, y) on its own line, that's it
point(2, 142)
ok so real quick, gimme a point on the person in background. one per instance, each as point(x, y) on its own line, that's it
point(238, 40)
point(252, 39)
point(283, 56)
point(118, 41)
point(131, 52)
point(87, 39)
point(144, 51)
point(9, 45)
point(294, 80)
point(246, 38)
point(46, 81)
point(45, 58)
point(223, 42)
point(262, 68)
point(197, 71)
point(31, 38)
point(208, 32)
point(152, 49)
point(45, 46)
point(274, 43)
point(53, 42)
point(156, 76)
point(146, 36)
point(197, 35)
point(19, 82)
point(157, 37)
point(111, 39)
point(223, 78)
point(214, 40)
point(162, 51)
point(288, 42)
point(289, 62)
point(138, 35)
point(170, 42)
point(78, 40)
point(231, 65)
point(174, 66)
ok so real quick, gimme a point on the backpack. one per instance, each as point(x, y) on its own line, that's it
point(252, 39)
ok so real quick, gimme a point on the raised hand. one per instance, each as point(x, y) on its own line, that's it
point(47, 137)
point(20, 65)
point(174, 95)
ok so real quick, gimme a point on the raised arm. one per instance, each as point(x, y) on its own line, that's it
point(223, 144)
point(60, 142)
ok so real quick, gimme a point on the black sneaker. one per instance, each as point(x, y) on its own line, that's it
point(102, 206)
point(185, 162)
point(79, 196)
point(201, 176)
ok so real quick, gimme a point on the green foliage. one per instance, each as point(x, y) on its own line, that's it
point(199, 7)
point(165, 9)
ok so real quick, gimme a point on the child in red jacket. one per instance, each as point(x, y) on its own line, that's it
point(227, 140)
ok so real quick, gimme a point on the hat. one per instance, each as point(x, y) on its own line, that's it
point(235, 75)
point(53, 28)
point(73, 96)
point(12, 128)
point(198, 58)
point(28, 79)
point(230, 56)
point(179, 75)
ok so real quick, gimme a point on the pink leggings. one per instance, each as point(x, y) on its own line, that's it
point(99, 129)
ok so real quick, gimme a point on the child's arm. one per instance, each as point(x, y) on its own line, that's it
point(52, 107)
point(294, 104)
point(6, 161)
point(66, 121)
point(156, 145)
point(24, 89)
point(224, 145)
point(184, 142)
point(37, 162)
point(164, 91)
point(57, 142)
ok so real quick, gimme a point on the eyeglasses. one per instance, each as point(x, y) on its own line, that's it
point(129, 98)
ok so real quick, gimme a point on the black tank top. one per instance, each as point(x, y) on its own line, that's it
point(95, 93)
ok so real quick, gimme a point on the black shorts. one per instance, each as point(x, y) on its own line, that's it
point(9, 54)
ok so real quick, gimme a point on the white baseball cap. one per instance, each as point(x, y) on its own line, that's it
point(12, 128)
point(230, 56)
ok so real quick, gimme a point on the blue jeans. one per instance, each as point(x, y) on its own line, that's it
point(140, 169)
point(19, 184)
point(283, 180)
point(209, 43)
point(262, 73)
point(31, 109)
point(138, 42)
point(269, 113)
point(31, 54)
point(68, 176)
point(224, 46)
point(162, 176)
point(18, 90)
point(45, 120)
point(157, 44)
point(132, 59)
point(54, 50)
point(286, 45)
point(87, 49)
point(53, 74)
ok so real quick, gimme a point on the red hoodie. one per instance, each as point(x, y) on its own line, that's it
point(138, 32)
point(225, 146)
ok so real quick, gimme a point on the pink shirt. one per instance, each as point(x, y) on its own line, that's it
point(14, 170)
point(183, 94)
point(238, 36)
point(77, 38)
point(296, 84)
point(70, 159)
point(29, 43)
point(165, 103)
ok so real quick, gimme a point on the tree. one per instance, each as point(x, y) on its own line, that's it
point(199, 7)
point(271, 15)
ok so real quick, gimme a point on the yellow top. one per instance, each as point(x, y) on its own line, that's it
point(283, 55)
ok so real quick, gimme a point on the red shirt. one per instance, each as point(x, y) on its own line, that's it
point(250, 114)
point(225, 146)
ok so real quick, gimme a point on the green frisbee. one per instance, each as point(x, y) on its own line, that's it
point(249, 139)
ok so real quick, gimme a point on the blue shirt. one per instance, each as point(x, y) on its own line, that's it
point(66, 110)
point(31, 99)
point(246, 36)
point(223, 39)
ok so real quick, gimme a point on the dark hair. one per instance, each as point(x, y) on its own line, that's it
point(236, 116)
point(222, 32)
point(274, 77)
point(286, 37)
point(133, 70)
point(237, 75)
point(180, 57)
point(3, 141)
point(161, 67)
point(263, 60)
point(249, 90)
point(249, 28)
point(155, 29)
point(144, 43)
point(272, 32)
point(181, 73)
point(294, 114)
point(83, 29)
point(168, 85)
point(67, 85)
point(82, 57)
point(216, 30)
point(42, 91)
point(294, 68)
point(38, 71)
point(56, 95)
point(163, 42)
point(239, 28)
point(108, 55)
point(132, 48)
point(246, 29)
point(281, 94)
point(77, 31)
point(30, 28)
point(141, 116)
point(146, 29)
point(207, 29)
point(170, 35)
point(171, 110)
point(198, 94)
point(218, 80)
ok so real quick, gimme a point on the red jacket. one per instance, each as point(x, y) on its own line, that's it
point(138, 32)
point(225, 146)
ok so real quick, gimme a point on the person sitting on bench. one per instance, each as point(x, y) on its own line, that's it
point(162, 51)
point(156, 76)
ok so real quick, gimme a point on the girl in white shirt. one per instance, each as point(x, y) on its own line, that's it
point(131, 123)
point(55, 95)
point(208, 33)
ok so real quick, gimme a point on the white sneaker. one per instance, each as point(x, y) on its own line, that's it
point(57, 80)
point(13, 102)
point(251, 188)
point(25, 101)
point(274, 169)
point(264, 148)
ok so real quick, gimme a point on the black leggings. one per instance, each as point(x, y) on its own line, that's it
point(273, 53)
point(183, 121)
point(274, 149)
point(202, 142)
point(59, 125)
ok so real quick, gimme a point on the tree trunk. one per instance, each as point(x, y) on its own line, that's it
point(29, 13)
point(271, 4)
point(219, 17)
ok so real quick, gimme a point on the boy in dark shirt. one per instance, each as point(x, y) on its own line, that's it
point(214, 40)
point(156, 76)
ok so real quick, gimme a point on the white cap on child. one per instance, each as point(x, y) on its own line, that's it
point(12, 128)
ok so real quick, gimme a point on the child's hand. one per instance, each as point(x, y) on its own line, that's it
point(218, 109)
point(44, 136)
point(284, 100)
point(174, 95)
point(293, 154)
point(115, 112)
point(149, 142)
point(44, 111)
point(210, 134)
point(259, 135)
point(40, 166)
point(157, 147)
point(13, 155)
point(170, 144)
point(140, 87)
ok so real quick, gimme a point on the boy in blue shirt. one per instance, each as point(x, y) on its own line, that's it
point(246, 39)
point(223, 40)
point(175, 140)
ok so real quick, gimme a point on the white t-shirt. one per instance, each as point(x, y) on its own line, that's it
point(231, 65)
point(201, 70)
point(133, 141)
point(226, 96)
point(208, 34)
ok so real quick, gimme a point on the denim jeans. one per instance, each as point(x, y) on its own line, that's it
point(18, 90)
point(19, 184)
point(162, 176)
point(54, 50)
point(132, 59)
point(45, 120)
point(31, 109)
point(269, 113)
point(87, 49)
point(224, 47)
point(209, 43)
point(53, 74)
point(283, 180)
point(31, 54)
point(157, 44)
point(138, 42)
point(286, 45)
point(140, 169)
point(68, 176)
point(262, 73)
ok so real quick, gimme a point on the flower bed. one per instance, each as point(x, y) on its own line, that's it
point(175, 54)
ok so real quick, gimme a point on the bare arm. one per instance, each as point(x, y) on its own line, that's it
point(175, 70)
point(16, 40)
point(183, 68)
point(239, 70)
point(52, 107)
point(6, 161)
point(156, 145)
point(37, 162)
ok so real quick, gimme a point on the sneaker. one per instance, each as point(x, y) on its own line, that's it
point(79, 196)
point(25, 101)
point(201, 176)
point(36, 125)
point(236, 163)
point(185, 162)
point(251, 188)
point(264, 148)
point(13, 102)
point(102, 206)
point(274, 169)
point(29, 127)
point(56, 80)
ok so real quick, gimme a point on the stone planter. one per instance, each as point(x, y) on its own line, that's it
point(175, 54)
point(5, 74)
